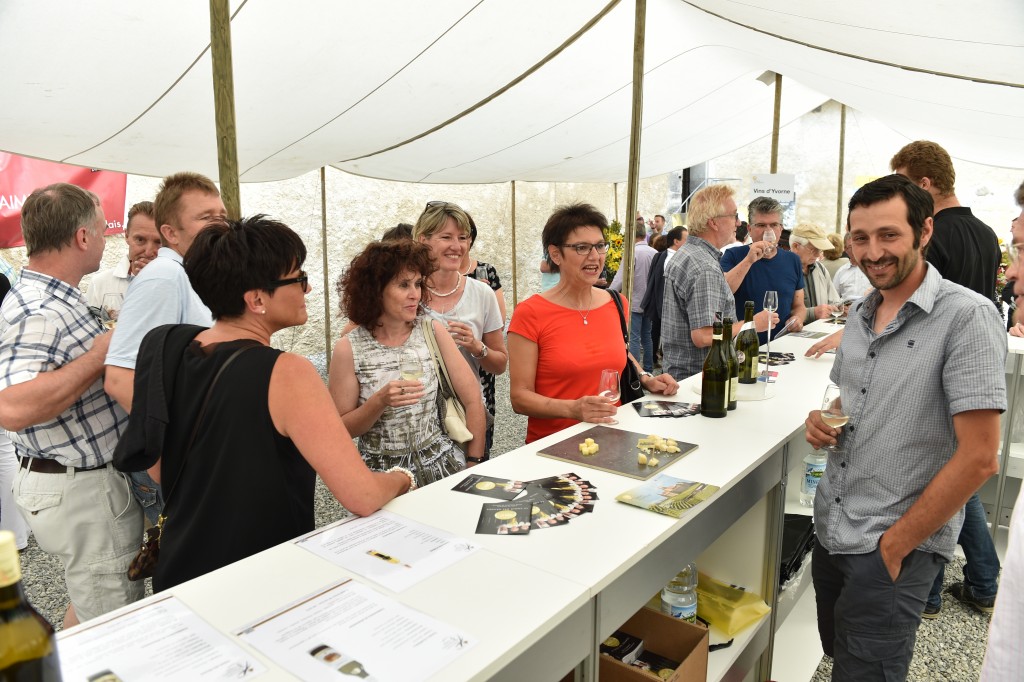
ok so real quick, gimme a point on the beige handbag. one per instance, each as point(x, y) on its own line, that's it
point(454, 422)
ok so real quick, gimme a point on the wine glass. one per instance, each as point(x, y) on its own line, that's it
point(409, 366)
point(832, 411)
point(836, 311)
point(771, 304)
point(771, 239)
point(608, 387)
point(111, 308)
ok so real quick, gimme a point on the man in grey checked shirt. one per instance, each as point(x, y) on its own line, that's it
point(64, 426)
point(695, 286)
point(920, 370)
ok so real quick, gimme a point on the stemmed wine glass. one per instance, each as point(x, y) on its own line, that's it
point(771, 304)
point(771, 239)
point(608, 387)
point(832, 412)
point(836, 311)
point(110, 309)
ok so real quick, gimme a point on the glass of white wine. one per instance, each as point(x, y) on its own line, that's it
point(608, 387)
point(409, 365)
point(832, 411)
point(836, 311)
point(111, 308)
point(771, 304)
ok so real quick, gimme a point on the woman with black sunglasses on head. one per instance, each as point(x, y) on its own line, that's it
point(466, 307)
point(560, 340)
point(234, 430)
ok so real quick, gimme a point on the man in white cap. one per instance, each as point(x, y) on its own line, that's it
point(808, 242)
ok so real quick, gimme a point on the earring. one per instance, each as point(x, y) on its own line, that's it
point(263, 312)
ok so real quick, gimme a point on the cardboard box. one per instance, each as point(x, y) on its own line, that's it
point(669, 637)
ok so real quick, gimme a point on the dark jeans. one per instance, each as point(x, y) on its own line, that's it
point(640, 338)
point(867, 622)
point(148, 494)
point(982, 567)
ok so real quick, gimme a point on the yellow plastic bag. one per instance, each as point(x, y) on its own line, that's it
point(727, 607)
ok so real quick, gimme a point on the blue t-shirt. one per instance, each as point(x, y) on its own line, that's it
point(784, 274)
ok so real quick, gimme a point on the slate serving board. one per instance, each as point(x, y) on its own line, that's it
point(617, 454)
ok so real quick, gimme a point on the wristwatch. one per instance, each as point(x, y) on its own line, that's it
point(645, 373)
point(483, 352)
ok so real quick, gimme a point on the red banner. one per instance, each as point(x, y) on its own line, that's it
point(19, 176)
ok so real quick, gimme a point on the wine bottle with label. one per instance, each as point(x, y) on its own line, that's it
point(733, 360)
point(747, 346)
point(714, 394)
point(28, 650)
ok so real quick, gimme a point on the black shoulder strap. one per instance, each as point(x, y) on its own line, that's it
point(622, 316)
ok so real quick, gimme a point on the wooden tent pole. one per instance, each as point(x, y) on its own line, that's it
point(842, 163)
point(775, 123)
point(635, 129)
point(327, 275)
point(224, 106)
point(515, 269)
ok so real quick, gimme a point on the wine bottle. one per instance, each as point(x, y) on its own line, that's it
point(733, 360)
point(714, 393)
point(747, 346)
point(28, 650)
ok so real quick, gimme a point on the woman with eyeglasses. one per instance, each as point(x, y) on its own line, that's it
point(383, 378)
point(234, 430)
point(467, 308)
point(560, 340)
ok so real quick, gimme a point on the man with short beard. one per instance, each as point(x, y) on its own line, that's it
point(888, 509)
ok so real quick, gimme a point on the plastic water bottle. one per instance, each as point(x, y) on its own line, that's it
point(679, 597)
point(814, 469)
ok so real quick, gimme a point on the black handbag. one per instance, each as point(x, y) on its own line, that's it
point(630, 388)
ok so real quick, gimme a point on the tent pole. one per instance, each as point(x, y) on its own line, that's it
point(635, 128)
point(775, 123)
point(224, 106)
point(842, 162)
point(615, 198)
point(327, 276)
point(515, 270)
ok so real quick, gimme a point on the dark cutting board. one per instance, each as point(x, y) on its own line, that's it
point(617, 454)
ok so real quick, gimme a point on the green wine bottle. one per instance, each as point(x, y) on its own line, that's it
point(732, 359)
point(747, 346)
point(28, 651)
point(714, 393)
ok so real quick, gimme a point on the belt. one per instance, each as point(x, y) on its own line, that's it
point(51, 466)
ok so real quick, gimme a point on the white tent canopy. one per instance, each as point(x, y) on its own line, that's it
point(454, 91)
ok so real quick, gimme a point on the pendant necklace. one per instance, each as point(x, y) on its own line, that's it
point(585, 316)
point(458, 282)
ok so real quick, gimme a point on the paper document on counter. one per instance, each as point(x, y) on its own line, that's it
point(388, 549)
point(161, 640)
point(348, 629)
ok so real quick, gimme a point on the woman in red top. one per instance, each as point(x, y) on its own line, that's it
point(561, 339)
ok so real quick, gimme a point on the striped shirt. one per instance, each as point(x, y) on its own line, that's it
point(943, 354)
point(45, 324)
point(695, 289)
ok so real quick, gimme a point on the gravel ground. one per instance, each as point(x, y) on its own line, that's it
point(950, 648)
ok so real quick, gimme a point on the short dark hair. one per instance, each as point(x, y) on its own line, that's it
point(361, 287)
point(764, 206)
point(230, 258)
point(399, 231)
point(919, 203)
point(659, 243)
point(742, 231)
point(564, 220)
point(472, 230)
point(51, 216)
point(658, 215)
point(1018, 196)
point(674, 235)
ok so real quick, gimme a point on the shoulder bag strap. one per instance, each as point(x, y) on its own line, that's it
point(443, 380)
point(199, 421)
point(622, 317)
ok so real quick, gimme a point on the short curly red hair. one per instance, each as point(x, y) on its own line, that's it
point(361, 287)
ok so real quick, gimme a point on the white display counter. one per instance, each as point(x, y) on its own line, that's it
point(540, 605)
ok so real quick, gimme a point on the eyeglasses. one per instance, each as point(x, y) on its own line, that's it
point(734, 216)
point(762, 226)
point(583, 248)
point(302, 279)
